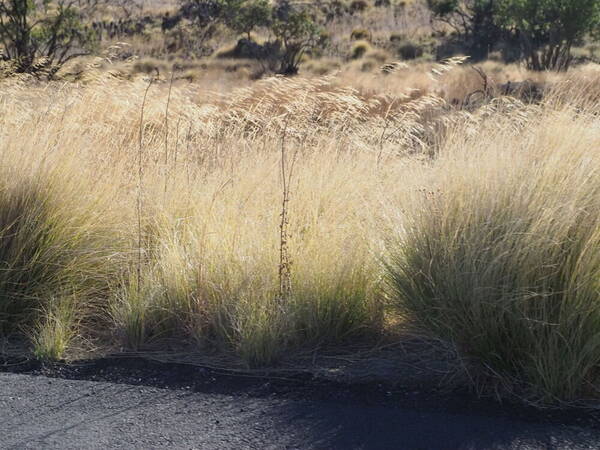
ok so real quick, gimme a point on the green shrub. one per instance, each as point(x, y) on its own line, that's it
point(297, 32)
point(42, 36)
point(547, 31)
point(243, 17)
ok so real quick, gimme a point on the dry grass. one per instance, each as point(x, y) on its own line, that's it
point(178, 239)
point(500, 254)
point(211, 196)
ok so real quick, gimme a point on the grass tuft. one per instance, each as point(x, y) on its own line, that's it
point(56, 330)
point(503, 259)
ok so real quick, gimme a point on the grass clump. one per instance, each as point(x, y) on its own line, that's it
point(57, 250)
point(131, 311)
point(55, 331)
point(361, 34)
point(164, 228)
point(48, 246)
point(503, 260)
point(407, 49)
point(359, 49)
point(210, 273)
point(358, 6)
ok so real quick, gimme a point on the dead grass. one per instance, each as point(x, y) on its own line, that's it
point(203, 266)
point(210, 210)
point(500, 254)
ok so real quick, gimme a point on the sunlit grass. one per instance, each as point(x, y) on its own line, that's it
point(165, 227)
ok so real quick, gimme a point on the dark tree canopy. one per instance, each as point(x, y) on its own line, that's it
point(293, 26)
point(42, 36)
point(546, 30)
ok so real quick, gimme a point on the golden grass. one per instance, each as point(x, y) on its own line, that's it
point(172, 205)
point(500, 254)
point(210, 193)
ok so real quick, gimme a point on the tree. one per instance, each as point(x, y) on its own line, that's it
point(293, 27)
point(297, 33)
point(201, 13)
point(243, 17)
point(474, 21)
point(43, 36)
point(548, 29)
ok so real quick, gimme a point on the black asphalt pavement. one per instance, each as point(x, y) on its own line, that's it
point(41, 412)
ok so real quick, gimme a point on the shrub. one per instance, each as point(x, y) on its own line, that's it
point(297, 33)
point(332, 9)
point(409, 50)
point(357, 6)
point(503, 260)
point(359, 49)
point(43, 36)
point(248, 15)
point(474, 22)
point(248, 49)
point(361, 34)
point(397, 37)
point(548, 30)
point(293, 26)
point(544, 31)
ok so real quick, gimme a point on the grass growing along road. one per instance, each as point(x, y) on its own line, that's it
point(478, 224)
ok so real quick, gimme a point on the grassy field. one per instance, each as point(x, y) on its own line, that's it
point(155, 201)
point(300, 213)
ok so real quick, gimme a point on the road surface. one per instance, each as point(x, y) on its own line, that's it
point(134, 411)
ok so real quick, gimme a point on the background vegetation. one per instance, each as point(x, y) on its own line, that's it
point(257, 38)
